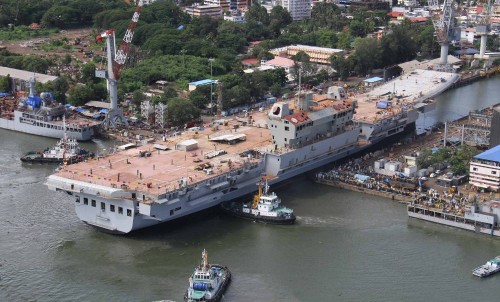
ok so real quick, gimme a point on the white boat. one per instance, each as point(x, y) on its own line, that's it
point(42, 116)
point(266, 207)
point(487, 269)
point(208, 281)
point(67, 151)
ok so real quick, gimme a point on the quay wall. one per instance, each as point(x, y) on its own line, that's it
point(346, 186)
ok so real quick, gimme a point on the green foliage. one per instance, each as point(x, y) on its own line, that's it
point(367, 55)
point(58, 87)
point(5, 85)
point(24, 33)
point(257, 14)
point(26, 62)
point(181, 111)
point(399, 46)
point(88, 74)
point(81, 94)
point(327, 15)
point(458, 159)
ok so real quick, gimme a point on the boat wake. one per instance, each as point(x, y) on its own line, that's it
point(317, 221)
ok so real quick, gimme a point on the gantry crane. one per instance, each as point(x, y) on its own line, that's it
point(442, 18)
point(115, 62)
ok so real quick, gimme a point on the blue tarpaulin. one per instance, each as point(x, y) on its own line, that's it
point(383, 104)
point(373, 80)
point(4, 94)
point(103, 111)
point(492, 154)
point(81, 110)
point(434, 150)
point(361, 178)
point(181, 27)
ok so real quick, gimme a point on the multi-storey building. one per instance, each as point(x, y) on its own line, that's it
point(298, 9)
point(213, 11)
point(316, 54)
point(485, 170)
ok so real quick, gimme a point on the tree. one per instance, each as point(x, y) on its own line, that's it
point(88, 74)
point(59, 88)
point(258, 14)
point(367, 55)
point(398, 46)
point(279, 19)
point(341, 66)
point(5, 84)
point(137, 97)
point(181, 111)
point(327, 15)
point(344, 39)
point(60, 17)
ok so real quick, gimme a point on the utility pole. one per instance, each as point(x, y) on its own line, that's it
point(211, 87)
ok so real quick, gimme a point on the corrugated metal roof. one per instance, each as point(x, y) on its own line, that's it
point(26, 75)
point(492, 154)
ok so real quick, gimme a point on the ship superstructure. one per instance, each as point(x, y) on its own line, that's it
point(201, 168)
point(42, 115)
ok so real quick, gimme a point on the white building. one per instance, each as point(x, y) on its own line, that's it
point(485, 169)
point(298, 9)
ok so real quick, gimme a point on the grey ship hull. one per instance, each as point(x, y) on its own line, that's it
point(46, 129)
point(201, 197)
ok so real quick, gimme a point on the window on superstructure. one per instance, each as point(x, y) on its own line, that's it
point(93, 203)
point(129, 212)
point(112, 207)
point(86, 201)
point(287, 128)
point(103, 206)
point(120, 210)
point(77, 199)
point(493, 172)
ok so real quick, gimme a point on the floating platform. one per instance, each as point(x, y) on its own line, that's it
point(458, 221)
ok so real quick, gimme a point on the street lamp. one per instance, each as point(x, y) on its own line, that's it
point(211, 87)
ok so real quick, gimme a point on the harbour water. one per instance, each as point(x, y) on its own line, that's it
point(345, 246)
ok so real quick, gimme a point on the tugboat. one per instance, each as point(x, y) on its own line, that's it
point(66, 151)
point(208, 282)
point(264, 208)
point(491, 267)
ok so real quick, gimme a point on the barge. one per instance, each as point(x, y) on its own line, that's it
point(481, 218)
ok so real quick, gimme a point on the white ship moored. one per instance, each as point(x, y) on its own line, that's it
point(42, 116)
point(141, 187)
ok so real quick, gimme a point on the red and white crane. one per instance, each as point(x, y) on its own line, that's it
point(115, 61)
point(442, 18)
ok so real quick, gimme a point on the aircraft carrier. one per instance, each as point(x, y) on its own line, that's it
point(163, 181)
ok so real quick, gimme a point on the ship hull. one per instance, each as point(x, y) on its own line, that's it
point(135, 216)
point(46, 129)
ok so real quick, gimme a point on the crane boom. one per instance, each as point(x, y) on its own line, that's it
point(122, 53)
point(115, 62)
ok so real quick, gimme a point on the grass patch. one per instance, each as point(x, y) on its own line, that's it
point(25, 33)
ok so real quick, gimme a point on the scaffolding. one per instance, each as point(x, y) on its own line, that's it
point(475, 131)
point(147, 110)
point(161, 115)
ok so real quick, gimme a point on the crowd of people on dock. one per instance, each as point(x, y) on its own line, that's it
point(354, 174)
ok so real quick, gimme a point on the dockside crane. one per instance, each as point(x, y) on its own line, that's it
point(115, 61)
point(483, 27)
point(442, 19)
